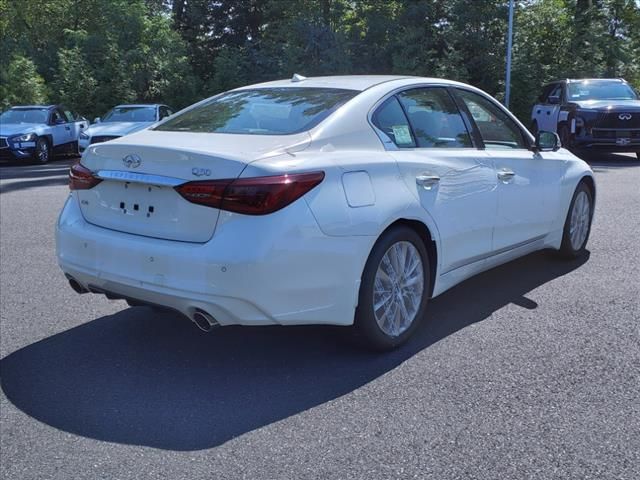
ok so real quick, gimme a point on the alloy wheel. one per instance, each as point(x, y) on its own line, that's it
point(43, 152)
point(398, 288)
point(580, 218)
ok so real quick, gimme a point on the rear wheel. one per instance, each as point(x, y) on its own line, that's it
point(394, 289)
point(43, 151)
point(577, 226)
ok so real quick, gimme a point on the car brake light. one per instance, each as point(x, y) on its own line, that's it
point(81, 178)
point(250, 196)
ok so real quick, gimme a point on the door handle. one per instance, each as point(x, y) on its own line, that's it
point(427, 181)
point(67, 128)
point(506, 175)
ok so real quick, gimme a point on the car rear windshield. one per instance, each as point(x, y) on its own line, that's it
point(25, 115)
point(265, 111)
point(131, 114)
point(601, 91)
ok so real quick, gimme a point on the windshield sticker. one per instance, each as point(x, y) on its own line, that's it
point(402, 134)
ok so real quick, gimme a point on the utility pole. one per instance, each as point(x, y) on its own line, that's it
point(507, 86)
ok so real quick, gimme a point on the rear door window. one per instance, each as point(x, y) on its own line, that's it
point(435, 119)
point(391, 120)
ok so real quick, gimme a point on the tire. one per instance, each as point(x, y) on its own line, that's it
point(577, 226)
point(565, 136)
point(387, 327)
point(43, 151)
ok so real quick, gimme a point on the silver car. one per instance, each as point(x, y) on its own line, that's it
point(123, 120)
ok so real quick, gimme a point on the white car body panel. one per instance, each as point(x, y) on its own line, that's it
point(303, 264)
point(463, 204)
point(529, 202)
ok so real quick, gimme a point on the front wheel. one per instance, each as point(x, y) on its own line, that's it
point(394, 289)
point(577, 226)
point(43, 152)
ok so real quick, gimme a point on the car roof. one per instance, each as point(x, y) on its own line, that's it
point(140, 105)
point(348, 82)
point(31, 107)
point(578, 80)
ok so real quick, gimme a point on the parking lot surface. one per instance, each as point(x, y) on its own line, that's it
point(531, 370)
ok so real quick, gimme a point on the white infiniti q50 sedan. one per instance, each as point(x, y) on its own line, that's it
point(331, 200)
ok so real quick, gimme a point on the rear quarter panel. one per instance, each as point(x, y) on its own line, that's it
point(329, 202)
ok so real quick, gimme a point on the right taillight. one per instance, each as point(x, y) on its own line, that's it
point(81, 178)
point(251, 196)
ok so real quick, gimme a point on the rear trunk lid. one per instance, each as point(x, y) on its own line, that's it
point(139, 173)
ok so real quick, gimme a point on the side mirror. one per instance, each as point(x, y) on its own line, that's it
point(59, 121)
point(554, 100)
point(96, 120)
point(547, 141)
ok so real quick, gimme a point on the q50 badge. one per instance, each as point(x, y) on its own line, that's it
point(201, 172)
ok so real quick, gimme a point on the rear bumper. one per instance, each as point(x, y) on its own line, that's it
point(254, 271)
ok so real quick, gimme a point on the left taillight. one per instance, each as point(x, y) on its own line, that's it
point(251, 196)
point(81, 178)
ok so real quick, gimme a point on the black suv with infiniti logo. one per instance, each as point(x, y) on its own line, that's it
point(590, 114)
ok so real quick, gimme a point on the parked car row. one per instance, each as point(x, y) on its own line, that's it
point(36, 133)
point(587, 114)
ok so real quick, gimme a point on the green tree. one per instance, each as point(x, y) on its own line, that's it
point(74, 84)
point(20, 83)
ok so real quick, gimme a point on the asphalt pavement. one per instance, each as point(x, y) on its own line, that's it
point(529, 371)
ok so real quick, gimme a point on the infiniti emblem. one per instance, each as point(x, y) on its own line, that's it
point(132, 161)
point(624, 116)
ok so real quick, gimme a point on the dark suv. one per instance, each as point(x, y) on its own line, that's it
point(601, 114)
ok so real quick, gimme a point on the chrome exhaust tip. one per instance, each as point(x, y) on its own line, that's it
point(204, 321)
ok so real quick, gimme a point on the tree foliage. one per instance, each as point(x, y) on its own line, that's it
point(20, 83)
point(92, 54)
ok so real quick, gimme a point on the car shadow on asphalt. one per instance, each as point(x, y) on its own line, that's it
point(19, 177)
point(152, 379)
point(603, 161)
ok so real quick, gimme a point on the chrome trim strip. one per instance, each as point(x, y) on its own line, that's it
point(135, 177)
point(495, 253)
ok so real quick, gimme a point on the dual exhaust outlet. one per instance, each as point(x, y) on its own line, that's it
point(203, 320)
